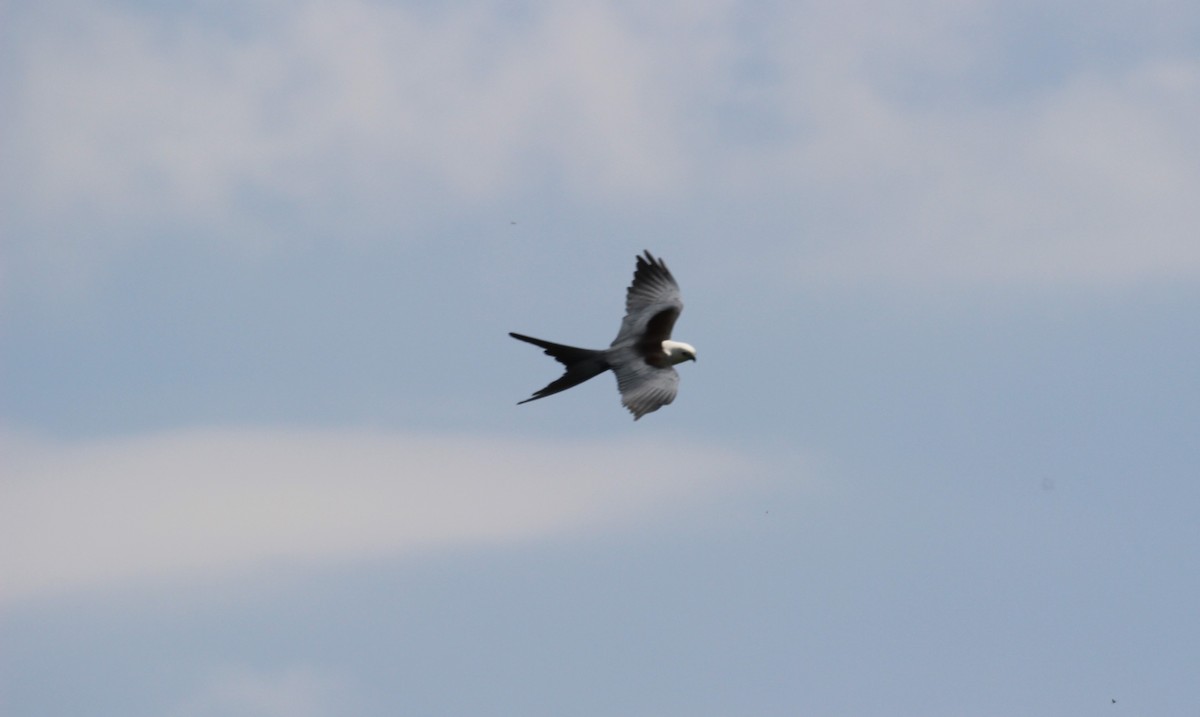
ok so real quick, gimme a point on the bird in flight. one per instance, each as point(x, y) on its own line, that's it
point(642, 356)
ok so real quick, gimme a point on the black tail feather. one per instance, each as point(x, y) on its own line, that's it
point(582, 364)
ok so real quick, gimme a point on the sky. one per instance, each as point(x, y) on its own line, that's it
point(260, 453)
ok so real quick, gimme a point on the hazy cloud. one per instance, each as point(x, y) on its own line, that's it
point(130, 113)
point(204, 502)
point(905, 144)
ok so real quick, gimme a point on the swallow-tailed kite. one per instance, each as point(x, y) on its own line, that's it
point(642, 355)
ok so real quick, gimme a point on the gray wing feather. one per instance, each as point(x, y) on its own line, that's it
point(652, 292)
point(644, 388)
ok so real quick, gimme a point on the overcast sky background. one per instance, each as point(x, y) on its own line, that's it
point(261, 453)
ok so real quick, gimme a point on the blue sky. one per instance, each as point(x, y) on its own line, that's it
point(261, 453)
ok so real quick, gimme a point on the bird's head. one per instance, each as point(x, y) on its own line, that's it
point(678, 352)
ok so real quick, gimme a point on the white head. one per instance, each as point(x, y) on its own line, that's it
point(678, 352)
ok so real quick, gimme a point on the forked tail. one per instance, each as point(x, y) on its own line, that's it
point(581, 364)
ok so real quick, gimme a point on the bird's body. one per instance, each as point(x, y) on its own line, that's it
point(643, 354)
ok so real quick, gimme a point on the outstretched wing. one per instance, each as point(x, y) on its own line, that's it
point(652, 304)
point(644, 387)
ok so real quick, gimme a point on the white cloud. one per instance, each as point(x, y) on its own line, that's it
point(185, 504)
point(136, 113)
point(382, 116)
point(929, 176)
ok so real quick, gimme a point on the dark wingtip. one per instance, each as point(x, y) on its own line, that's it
point(646, 258)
